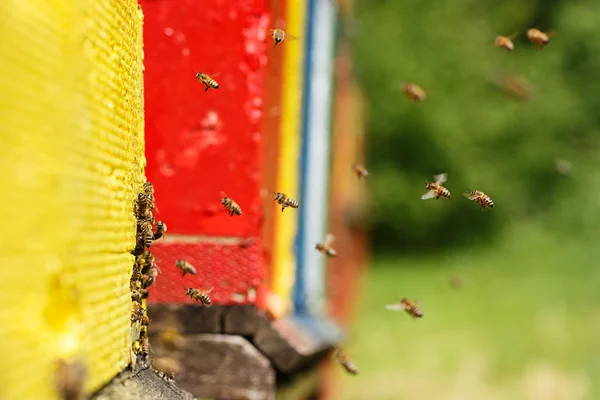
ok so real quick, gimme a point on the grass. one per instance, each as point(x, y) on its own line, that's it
point(524, 326)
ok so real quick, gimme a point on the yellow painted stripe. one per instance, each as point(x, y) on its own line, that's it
point(288, 178)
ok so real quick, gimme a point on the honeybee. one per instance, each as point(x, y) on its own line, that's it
point(145, 320)
point(144, 346)
point(346, 362)
point(538, 38)
point(168, 366)
point(171, 339)
point(481, 198)
point(505, 42)
point(137, 273)
point(144, 202)
point(406, 305)
point(199, 295)
point(185, 267)
point(145, 233)
point(149, 191)
point(413, 92)
point(360, 171)
point(325, 247)
point(230, 205)
point(69, 379)
point(435, 189)
point(161, 229)
point(207, 81)
point(279, 35)
point(136, 295)
point(285, 201)
point(147, 262)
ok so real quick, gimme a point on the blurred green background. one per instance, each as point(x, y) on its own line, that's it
point(526, 322)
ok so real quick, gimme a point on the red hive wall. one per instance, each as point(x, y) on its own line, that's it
point(201, 143)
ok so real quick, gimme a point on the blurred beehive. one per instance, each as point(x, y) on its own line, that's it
point(71, 109)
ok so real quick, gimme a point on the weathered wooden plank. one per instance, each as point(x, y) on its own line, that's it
point(188, 318)
point(144, 383)
point(244, 320)
point(293, 343)
point(225, 367)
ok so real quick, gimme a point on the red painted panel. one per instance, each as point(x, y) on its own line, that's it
point(232, 271)
point(201, 143)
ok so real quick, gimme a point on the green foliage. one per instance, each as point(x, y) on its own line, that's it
point(467, 127)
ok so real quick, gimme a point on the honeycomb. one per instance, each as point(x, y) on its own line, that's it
point(71, 109)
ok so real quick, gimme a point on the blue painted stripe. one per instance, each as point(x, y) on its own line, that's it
point(300, 287)
point(317, 94)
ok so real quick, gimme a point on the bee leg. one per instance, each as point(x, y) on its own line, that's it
point(183, 273)
point(206, 90)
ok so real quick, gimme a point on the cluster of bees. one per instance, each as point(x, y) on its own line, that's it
point(415, 93)
point(145, 270)
point(435, 189)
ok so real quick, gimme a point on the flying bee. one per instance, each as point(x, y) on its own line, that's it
point(435, 189)
point(161, 229)
point(207, 81)
point(69, 379)
point(284, 200)
point(168, 366)
point(360, 171)
point(505, 42)
point(413, 92)
point(199, 295)
point(406, 305)
point(346, 362)
point(171, 339)
point(279, 35)
point(230, 205)
point(481, 198)
point(145, 233)
point(538, 38)
point(185, 267)
point(325, 247)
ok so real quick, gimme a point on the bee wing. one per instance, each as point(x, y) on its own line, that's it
point(428, 195)
point(441, 178)
point(469, 195)
point(395, 307)
point(329, 239)
point(512, 36)
point(290, 37)
point(223, 194)
point(213, 75)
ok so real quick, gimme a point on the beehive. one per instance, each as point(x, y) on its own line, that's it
point(71, 115)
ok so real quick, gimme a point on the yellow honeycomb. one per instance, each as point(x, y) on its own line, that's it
point(71, 162)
